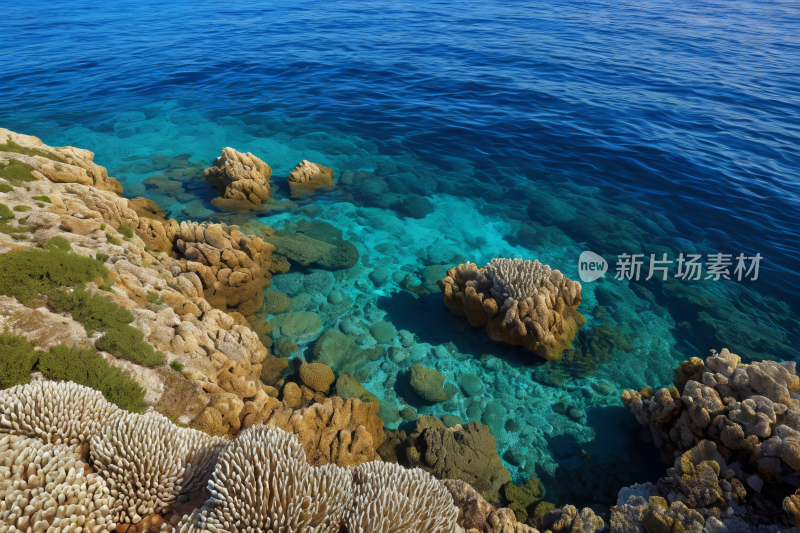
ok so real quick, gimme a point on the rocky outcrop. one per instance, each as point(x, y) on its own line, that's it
point(239, 178)
point(307, 177)
point(64, 164)
point(233, 268)
point(518, 302)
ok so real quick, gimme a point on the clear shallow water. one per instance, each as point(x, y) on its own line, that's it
point(535, 129)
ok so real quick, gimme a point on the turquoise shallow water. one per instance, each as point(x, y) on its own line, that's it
point(514, 129)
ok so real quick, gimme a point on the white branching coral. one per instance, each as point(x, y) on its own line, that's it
point(47, 487)
point(149, 462)
point(516, 279)
point(263, 483)
point(57, 413)
point(389, 498)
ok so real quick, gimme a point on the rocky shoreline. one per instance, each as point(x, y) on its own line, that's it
point(194, 294)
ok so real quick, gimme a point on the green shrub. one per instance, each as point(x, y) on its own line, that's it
point(102, 226)
point(16, 171)
point(27, 273)
point(58, 242)
point(175, 365)
point(102, 257)
point(5, 213)
point(42, 199)
point(17, 359)
point(113, 240)
point(128, 342)
point(22, 208)
point(88, 368)
point(154, 298)
point(93, 311)
point(125, 230)
point(11, 146)
point(5, 187)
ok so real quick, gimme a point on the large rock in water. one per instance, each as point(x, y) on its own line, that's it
point(468, 453)
point(307, 177)
point(239, 177)
point(518, 302)
point(429, 384)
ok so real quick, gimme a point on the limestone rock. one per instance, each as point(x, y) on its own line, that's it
point(240, 177)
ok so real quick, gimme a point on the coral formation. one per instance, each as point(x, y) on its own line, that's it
point(732, 430)
point(179, 460)
point(388, 497)
point(262, 482)
point(519, 302)
point(239, 177)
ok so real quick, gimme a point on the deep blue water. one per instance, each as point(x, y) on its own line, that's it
point(537, 129)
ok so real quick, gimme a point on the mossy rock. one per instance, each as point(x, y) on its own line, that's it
point(339, 351)
point(16, 171)
point(347, 386)
point(11, 146)
point(285, 347)
point(314, 243)
point(383, 332)
point(302, 326)
point(471, 384)
point(429, 383)
point(275, 302)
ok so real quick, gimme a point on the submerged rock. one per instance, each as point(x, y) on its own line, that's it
point(430, 384)
point(307, 177)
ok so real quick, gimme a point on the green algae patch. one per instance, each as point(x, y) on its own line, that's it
point(58, 243)
point(93, 311)
point(24, 274)
point(17, 359)
point(11, 146)
point(42, 198)
point(22, 208)
point(5, 213)
point(99, 314)
point(176, 366)
point(16, 171)
point(128, 342)
point(5, 187)
point(125, 230)
point(88, 368)
point(113, 240)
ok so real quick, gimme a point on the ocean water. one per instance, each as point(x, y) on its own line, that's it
point(495, 129)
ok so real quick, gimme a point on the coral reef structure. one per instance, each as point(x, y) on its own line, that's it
point(519, 302)
point(733, 432)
